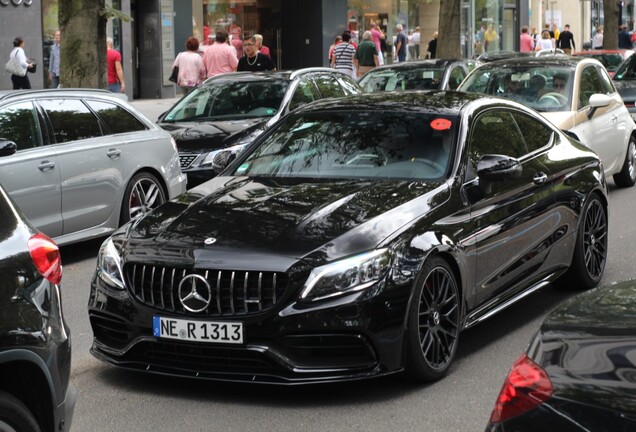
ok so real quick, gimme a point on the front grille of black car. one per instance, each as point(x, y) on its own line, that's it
point(185, 160)
point(233, 293)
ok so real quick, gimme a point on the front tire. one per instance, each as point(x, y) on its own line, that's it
point(143, 193)
point(433, 322)
point(590, 251)
point(627, 176)
point(15, 416)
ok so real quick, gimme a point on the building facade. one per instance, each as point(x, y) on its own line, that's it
point(298, 33)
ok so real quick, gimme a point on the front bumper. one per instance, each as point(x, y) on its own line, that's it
point(348, 338)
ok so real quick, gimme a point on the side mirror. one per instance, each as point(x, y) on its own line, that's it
point(7, 148)
point(598, 100)
point(222, 160)
point(493, 167)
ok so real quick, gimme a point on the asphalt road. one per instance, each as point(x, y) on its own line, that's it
point(110, 399)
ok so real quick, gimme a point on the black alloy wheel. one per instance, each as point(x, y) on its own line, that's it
point(590, 253)
point(143, 193)
point(434, 318)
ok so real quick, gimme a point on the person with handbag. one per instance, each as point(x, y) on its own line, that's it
point(190, 68)
point(18, 65)
point(343, 54)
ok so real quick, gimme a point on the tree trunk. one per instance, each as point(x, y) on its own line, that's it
point(83, 44)
point(610, 29)
point(449, 28)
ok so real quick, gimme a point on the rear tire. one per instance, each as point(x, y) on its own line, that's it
point(590, 251)
point(433, 322)
point(143, 193)
point(15, 416)
point(627, 176)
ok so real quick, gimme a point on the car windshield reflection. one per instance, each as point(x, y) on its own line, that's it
point(542, 88)
point(411, 79)
point(230, 100)
point(356, 145)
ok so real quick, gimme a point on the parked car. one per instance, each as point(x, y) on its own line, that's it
point(625, 82)
point(231, 110)
point(578, 371)
point(501, 55)
point(611, 59)
point(558, 52)
point(35, 344)
point(349, 243)
point(86, 161)
point(574, 93)
point(418, 75)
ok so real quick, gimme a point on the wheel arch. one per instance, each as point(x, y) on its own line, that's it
point(23, 369)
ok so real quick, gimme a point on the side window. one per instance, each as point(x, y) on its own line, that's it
point(457, 75)
point(71, 120)
point(116, 118)
point(499, 124)
point(19, 123)
point(606, 82)
point(590, 84)
point(536, 134)
point(348, 84)
point(305, 92)
point(328, 86)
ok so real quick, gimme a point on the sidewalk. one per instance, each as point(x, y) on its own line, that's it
point(153, 108)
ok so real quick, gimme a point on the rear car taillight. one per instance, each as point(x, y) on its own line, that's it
point(46, 257)
point(526, 387)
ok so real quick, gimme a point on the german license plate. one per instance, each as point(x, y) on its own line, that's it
point(198, 331)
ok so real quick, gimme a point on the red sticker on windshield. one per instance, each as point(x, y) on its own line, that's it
point(441, 124)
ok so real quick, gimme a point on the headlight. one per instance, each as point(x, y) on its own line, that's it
point(209, 158)
point(348, 275)
point(109, 265)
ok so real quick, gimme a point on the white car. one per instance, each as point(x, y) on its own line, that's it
point(577, 95)
point(80, 163)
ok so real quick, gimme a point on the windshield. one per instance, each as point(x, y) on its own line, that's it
point(230, 100)
point(611, 61)
point(401, 79)
point(626, 71)
point(356, 144)
point(544, 88)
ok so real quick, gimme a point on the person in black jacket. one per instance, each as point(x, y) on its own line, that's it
point(566, 40)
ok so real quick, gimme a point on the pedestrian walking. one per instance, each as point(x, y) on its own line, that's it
point(220, 57)
point(491, 39)
point(54, 61)
point(116, 83)
point(336, 41)
point(416, 40)
point(260, 47)
point(377, 36)
point(624, 38)
point(366, 57)
point(191, 68)
point(254, 61)
point(343, 54)
point(18, 65)
point(545, 43)
point(431, 49)
point(597, 40)
point(566, 40)
point(526, 43)
point(400, 44)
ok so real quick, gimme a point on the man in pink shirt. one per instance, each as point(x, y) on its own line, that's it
point(526, 44)
point(377, 34)
point(220, 57)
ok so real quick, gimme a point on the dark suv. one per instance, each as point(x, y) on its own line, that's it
point(35, 344)
point(229, 111)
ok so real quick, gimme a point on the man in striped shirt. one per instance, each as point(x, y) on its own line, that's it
point(343, 53)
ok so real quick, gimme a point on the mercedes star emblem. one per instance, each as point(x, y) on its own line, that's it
point(194, 293)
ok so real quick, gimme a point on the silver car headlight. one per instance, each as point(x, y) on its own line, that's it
point(109, 265)
point(209, 158)
point(347, 275)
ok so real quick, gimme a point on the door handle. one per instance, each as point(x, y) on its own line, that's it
point(113, 153)
point(614, 118)
point(540, 178)
point(46, 165)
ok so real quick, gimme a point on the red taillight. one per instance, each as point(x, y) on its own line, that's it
point(46, 257)
point(527, 386)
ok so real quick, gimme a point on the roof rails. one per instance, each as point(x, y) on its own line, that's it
point(311, 69)
point(10, 94)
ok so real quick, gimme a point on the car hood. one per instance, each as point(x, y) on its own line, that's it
point(319, 220)
point(197, 137)
point(627, 89)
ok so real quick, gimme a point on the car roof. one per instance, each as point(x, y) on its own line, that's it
point(438, 101)
point(558, 61)
point(422, 63)
point(79, 92)
point(286, 75)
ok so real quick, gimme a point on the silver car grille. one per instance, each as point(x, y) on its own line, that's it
point(185, 160)
point(233, 293)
